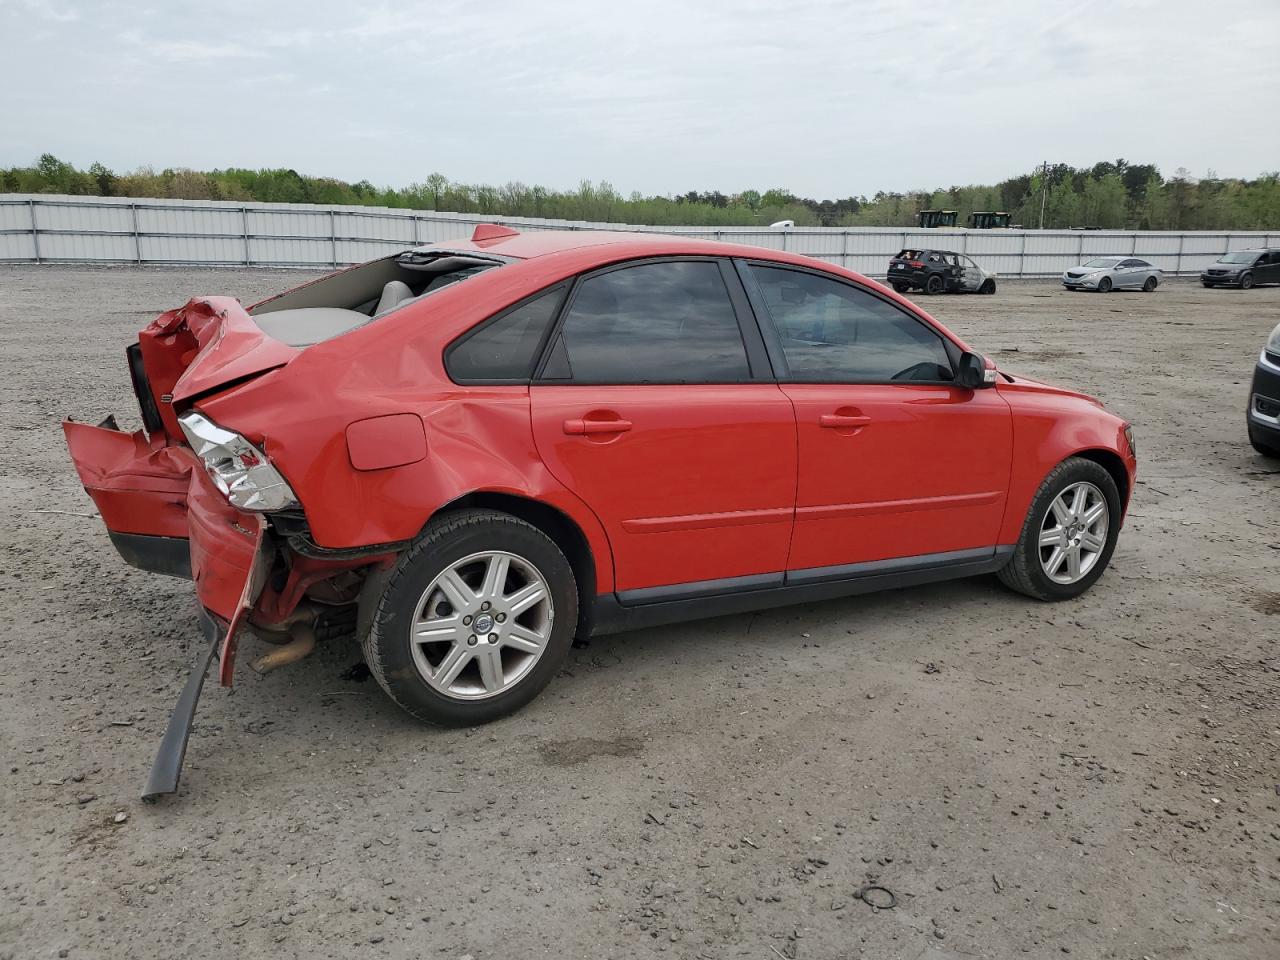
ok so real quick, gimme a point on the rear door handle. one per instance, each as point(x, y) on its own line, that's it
point(839, 421)
point(582, 428)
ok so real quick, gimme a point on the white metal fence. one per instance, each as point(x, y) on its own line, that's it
point(41, 228)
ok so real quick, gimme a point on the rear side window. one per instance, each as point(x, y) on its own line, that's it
point(505, 348)
point(668, 322)
point(833, 332)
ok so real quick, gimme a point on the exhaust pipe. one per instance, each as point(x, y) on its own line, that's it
point(302, 642)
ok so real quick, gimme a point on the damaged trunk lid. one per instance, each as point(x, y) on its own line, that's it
point(209, 343)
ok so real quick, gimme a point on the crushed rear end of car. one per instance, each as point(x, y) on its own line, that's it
point(187, 497)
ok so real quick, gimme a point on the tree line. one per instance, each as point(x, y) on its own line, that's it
point(1109, 194)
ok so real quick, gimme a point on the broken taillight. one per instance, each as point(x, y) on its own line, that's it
point(237, 468)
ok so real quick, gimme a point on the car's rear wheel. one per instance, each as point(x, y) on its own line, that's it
point(474, 621)
point(988, 286)
point(935, 284)
point(1104, 285)
point(901, 287)
point(1069, 534)
point(1150, 285)
point(1246, 281)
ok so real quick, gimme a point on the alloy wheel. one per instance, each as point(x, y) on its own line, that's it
point(481, 625)
point(1073, 533)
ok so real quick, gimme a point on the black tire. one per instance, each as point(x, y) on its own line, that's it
point(1104, 285)
point(988, 286)
point(448, 539)
point(1206, 284)
point(901, 287)
point(1024, 572)
point(935, 284)
point(1246, 281)
point(1264, 447)
point(1150, 285)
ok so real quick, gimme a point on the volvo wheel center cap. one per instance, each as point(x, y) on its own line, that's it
point(483, 623)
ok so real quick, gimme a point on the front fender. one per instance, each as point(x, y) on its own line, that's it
point(1049, 427)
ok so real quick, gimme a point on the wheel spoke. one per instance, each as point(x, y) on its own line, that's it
point(1073, 563)
point(1060, 511)
point(525, 597)
point(1094, 514)
point(452, 664)
point(455, 590)
point(1079, 497)
point(1051, 538)
point(524, 639)
point(495, 576)
point(438, 630)
point(1091, 541)
point(490, 661)
point(1055, 561)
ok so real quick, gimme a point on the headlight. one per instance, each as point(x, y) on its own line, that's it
point(1273, 341)
point(1128, 435)
point(236, 467)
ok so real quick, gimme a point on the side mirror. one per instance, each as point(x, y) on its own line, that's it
point(975, 372)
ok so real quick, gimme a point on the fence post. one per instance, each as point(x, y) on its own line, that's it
point(137, 240)
point(1022, 257)
point(244, 225)
point(35, 230)
point(844, 249)
point(417, 230)
point(1133, 247)
point(1182, 238)
point(333, 240)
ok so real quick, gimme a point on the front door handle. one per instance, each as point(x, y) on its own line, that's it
point(842, 421)
point(583, 428)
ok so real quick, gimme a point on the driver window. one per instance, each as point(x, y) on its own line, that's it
point(833, 332)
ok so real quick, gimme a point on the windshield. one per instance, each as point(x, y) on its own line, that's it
point(1244, 256)
point(1103, 262)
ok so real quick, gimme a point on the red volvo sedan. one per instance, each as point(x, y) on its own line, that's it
point(478, 451)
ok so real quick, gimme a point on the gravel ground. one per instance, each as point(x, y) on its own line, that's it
point(1097, 778)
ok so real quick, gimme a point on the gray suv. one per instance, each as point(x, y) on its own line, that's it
point(1243, 269)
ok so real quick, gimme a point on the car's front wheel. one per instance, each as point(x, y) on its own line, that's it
point(1104, 285)
point(1069, 534)
point(1206, 284)
point(1246, 281)
point(476, 618)
point(988, 286)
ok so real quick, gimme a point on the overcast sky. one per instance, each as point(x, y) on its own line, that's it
point(828, 99)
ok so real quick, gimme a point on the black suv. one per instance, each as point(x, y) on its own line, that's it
point(1264, 399)
point(1243, 269)
point(938, 271)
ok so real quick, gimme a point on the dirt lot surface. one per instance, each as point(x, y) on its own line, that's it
point(1096, 778)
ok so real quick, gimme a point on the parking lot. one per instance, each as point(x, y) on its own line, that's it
point(1099, 778)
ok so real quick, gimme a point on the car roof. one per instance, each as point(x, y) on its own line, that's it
point(526, 246)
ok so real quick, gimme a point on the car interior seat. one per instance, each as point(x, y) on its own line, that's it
point(394, 293)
